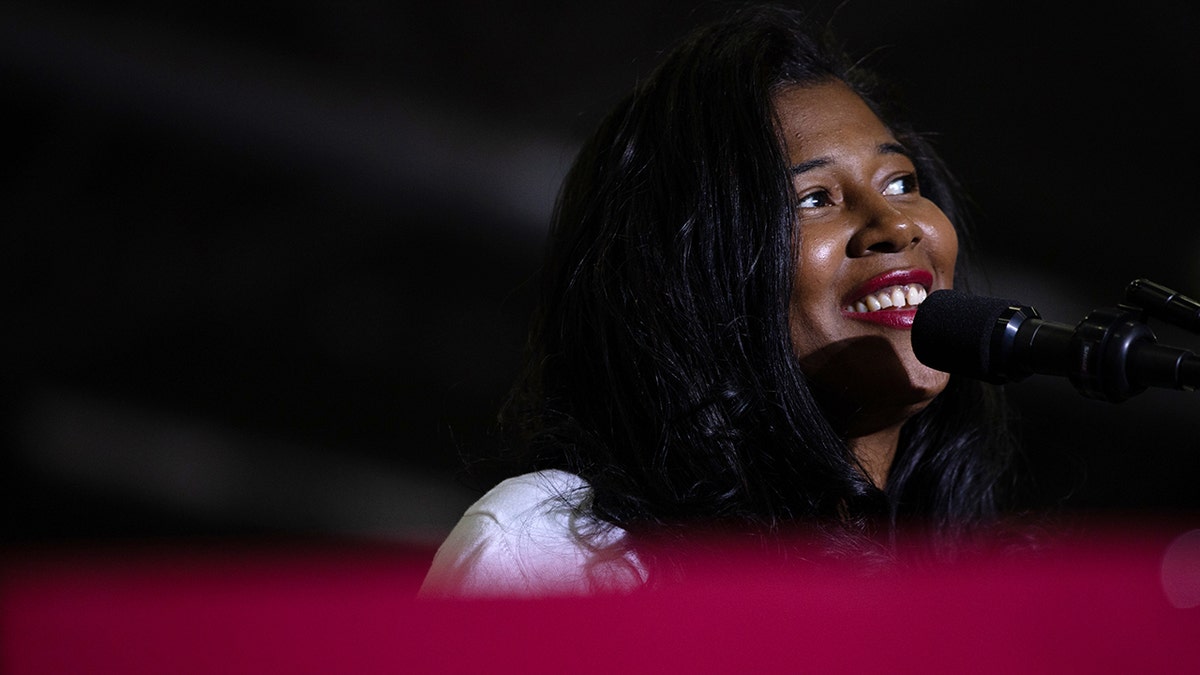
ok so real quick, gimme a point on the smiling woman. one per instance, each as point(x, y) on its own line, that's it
point(722, 343)
point(871, 246)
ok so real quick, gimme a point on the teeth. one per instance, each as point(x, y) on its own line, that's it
point(909, 295)
point(915, 295)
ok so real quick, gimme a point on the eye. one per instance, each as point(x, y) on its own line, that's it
point(815, 200)
point(901, 185)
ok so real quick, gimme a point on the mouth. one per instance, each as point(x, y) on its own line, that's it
point(890, 299)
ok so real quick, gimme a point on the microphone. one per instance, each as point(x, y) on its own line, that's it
point(1111, 355)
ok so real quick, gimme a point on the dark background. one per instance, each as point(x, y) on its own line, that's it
point(267, 265)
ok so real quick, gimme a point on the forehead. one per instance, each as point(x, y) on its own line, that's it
point(822, 118)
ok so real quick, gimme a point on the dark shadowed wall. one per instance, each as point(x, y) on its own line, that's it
point(267, 266)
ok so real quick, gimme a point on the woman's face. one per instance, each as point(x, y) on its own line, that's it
point(870, 247)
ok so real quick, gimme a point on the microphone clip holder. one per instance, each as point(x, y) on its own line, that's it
point(1115, 355)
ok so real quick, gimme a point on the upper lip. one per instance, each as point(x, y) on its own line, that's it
point(889, 278)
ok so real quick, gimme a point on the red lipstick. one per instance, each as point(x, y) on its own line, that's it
point(892, 318)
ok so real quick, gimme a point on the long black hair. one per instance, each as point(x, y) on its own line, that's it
point(660, 366)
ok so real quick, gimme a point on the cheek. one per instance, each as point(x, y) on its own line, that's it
point(819, 355)
point(949, 249)
point(803, 334)
point(817, 264)
point(812, 298)
point(942, 240)
point(818, 251)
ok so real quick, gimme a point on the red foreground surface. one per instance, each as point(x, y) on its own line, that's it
point(1119, 603)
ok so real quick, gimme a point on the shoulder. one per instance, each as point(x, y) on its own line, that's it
point(531, 495)
point(532, 535)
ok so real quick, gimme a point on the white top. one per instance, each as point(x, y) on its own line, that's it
point(531, 536)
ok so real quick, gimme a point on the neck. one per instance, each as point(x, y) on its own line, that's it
point(875, 452)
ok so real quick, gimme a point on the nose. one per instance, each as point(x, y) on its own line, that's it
point(882, 228)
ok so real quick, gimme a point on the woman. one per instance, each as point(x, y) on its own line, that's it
point(722, 344)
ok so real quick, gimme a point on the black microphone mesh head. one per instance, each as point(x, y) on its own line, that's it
point(952, 332)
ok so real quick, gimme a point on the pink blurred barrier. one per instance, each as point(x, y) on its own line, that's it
point(1119, 603)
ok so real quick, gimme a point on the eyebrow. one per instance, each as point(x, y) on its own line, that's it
point(894, 149)
point(810, 165)
point(882, 148)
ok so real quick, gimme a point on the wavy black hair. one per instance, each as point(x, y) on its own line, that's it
point(660, 366)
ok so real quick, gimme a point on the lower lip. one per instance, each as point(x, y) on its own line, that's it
point(892, 318)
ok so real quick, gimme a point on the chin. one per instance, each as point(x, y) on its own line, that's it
point(902, 401)
point(927, 383)
point(871, 378)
